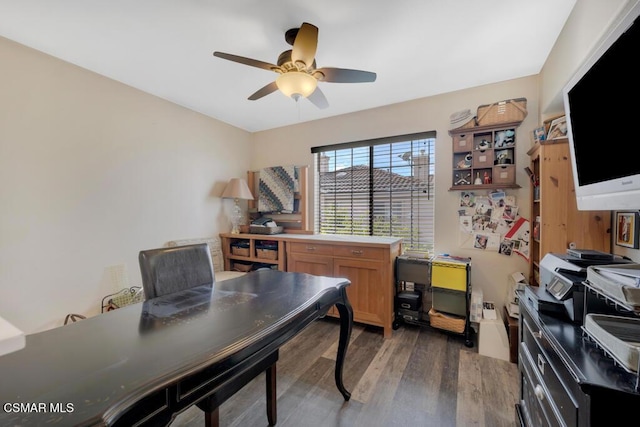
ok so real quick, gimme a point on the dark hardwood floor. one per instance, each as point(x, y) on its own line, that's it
point(419, 377)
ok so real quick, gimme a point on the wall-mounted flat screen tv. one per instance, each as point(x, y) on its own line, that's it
point(602, 108)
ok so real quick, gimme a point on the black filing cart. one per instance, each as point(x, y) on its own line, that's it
point(443, 305)
point(409, 304)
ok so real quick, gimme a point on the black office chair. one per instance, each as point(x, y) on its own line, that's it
point(168, 270)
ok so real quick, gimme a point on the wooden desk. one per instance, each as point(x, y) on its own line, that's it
point(146, 362)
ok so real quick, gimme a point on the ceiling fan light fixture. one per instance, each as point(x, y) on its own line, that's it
point(295, 83)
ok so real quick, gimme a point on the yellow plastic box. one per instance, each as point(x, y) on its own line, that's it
point(449, 275)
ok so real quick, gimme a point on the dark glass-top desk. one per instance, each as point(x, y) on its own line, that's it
point(146, 362)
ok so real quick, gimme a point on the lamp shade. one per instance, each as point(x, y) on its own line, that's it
point(296, 83)
point(237, 188)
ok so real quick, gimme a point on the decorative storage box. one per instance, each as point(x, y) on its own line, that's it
point(449, 274)
point(462, 142)
point(482, 159)
point(410, 315)
point(504, 174)
point(409, 300)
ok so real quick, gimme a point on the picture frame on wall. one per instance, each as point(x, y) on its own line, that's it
point(627, 229)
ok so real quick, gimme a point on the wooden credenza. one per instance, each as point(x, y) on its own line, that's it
point(367, 261)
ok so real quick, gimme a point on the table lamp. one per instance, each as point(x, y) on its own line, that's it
point(237, 189)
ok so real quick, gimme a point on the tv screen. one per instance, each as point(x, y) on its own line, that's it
point(600, 104)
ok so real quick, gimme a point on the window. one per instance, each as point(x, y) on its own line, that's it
point(381, 187)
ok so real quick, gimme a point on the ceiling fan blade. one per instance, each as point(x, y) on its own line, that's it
point(343, 75)
point(305, 44)
point(318, 99)
point(247, 61)
point(266, 90)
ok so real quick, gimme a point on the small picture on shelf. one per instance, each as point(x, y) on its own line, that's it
point(627, 229)
point(558, 128)
point(539, 135)
point(505, 138)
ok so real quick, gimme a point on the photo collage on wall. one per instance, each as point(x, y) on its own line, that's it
point(491, 222)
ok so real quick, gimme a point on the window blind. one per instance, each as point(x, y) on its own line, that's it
point(380, 187)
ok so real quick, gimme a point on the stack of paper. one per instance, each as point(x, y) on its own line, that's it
point(624, 276)
point(618, 281)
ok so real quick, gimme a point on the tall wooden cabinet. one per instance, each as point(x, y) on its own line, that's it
point(556, 222)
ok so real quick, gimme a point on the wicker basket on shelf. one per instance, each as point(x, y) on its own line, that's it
point(266, 230)
point(245, 268)
point(238, 250)
point(446, 321)
point(507, 111)
point(267, 254)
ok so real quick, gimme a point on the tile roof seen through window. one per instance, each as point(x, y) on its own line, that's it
point(356, 179)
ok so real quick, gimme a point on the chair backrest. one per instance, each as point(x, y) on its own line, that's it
point(167, 270)
point(214, 245)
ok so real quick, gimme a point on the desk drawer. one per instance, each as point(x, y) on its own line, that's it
point(358, 252)
point(547, 369)
point(537, 402)
point(311, 248)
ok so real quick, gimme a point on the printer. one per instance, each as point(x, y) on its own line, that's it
point(561, 290)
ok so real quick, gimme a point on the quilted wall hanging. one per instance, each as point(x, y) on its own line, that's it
point(276, 189)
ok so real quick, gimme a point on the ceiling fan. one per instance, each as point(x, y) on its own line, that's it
point(299, 76)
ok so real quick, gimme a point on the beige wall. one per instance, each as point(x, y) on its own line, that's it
point(292, 144)
point(91, 172)
point(589, 21)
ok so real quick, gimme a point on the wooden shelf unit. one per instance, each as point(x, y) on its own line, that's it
point(472, 160)
point(296, 222)
point(228, 239)
point(554, 202)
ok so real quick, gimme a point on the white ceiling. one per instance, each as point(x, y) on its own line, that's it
point(417, 48)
